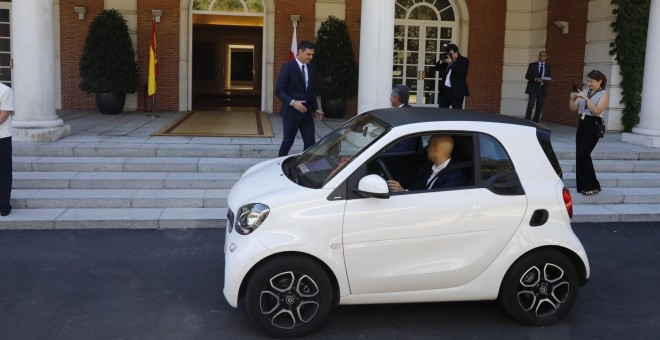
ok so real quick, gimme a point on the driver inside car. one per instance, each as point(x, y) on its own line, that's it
point(437, 172)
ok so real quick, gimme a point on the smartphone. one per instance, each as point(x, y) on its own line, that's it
point(575, 88)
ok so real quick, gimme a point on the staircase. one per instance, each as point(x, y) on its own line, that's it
point(630, 183)
point(152, 184)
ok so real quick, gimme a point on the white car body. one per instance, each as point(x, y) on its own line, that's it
point(447, 245)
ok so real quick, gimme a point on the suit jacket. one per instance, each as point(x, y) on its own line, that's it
point(291, 86)
point(408, 144)
point(458, 79)
point(532, 73)
point(447, 178)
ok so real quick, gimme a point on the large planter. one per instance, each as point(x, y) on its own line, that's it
point(333, 108)
point(110, 103)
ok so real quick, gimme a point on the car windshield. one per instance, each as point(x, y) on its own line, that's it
point(323, 160)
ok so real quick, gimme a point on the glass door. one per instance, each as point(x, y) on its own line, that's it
point(5, 43)
point(417, 47)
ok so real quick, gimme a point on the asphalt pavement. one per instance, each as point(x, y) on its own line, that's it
point(167, 284)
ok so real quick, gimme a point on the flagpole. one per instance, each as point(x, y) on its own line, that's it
point(153, 66)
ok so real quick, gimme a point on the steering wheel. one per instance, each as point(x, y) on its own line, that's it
point(383, 167)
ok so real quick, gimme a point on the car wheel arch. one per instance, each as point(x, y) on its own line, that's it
point(331, 275)
point(539, 291)
point(572, 256)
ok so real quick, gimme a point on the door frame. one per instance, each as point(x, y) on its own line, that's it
point(10, 68)
point(423, 24)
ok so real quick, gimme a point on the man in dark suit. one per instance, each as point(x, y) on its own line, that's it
point(399, 96)
point(538, 75)
point(453, 86)
point(438, 171)
point(295, 88)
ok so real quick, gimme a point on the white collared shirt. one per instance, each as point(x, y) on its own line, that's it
point(434, 174)
point(6, 104)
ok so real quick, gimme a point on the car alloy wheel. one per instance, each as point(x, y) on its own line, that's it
point(289, 296)
point(540, 288)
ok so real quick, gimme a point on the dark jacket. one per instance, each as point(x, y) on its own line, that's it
point(448, 177)
point(533, 73)
point(458, 79)
point(291, 86)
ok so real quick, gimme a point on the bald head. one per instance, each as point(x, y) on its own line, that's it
point(440, 148)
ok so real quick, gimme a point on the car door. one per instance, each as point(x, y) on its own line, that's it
point(432, 239)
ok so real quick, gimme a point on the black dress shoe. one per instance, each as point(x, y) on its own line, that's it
point(5, 213)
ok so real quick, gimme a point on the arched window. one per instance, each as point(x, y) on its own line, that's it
point(245, 6)
point(424, 10)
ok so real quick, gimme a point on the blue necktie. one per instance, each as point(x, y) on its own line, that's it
point(304, 75)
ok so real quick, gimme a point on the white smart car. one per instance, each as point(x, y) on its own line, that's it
point(310, 231)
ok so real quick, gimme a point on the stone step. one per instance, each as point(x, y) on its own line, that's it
point(133, 164)
point(631, 153)
point(183, 218)
point(585, 213)
point(115, 218)
point(618, 196)
point(124, 180)
point(217, 198)
point(119, 198)
point(211, 150)
point(627, 166)
point(620, 180)
point(253, 147)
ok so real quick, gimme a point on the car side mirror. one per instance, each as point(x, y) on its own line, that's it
point(372, 186)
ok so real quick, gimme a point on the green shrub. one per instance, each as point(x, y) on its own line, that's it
point(337, 72)
point(108, 62)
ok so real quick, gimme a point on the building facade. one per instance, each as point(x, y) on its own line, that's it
point(233, 50)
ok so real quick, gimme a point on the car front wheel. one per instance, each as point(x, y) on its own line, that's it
point(540, 288)
point(289, 296)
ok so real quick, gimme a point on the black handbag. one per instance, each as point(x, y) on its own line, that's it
point(600, 129)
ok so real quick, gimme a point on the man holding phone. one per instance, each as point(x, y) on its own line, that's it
point(538, 76)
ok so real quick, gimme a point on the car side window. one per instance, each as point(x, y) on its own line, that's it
point(494, 159)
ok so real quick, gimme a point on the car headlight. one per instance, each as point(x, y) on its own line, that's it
point(250, 217)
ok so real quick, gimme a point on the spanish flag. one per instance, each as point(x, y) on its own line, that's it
point(294, 45)
point(153, 61)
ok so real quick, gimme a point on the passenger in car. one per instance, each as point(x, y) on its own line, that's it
point(437, 172)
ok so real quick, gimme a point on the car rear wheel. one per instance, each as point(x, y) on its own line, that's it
point(540, 288)
point(289, 296)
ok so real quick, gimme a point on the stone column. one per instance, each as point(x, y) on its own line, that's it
point(647, 132)
point(376, 48)
point(35, 118)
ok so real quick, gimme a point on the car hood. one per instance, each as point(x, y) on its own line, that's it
point(261, 183)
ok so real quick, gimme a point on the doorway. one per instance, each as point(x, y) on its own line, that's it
point(421, 32)
point(241, 67)
point(227, 58)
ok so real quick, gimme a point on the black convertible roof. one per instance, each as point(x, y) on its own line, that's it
point(409, 115)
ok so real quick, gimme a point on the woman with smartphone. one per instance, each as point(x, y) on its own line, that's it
point(590, 106)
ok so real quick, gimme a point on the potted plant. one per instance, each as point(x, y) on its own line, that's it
point(337, 72)
point(108, 67)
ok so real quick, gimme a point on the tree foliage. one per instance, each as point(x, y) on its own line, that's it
point(629, 49)
point(337, 72)
point(108, 62)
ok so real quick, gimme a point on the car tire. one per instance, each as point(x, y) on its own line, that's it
point(289, 296)
point(540, 288)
